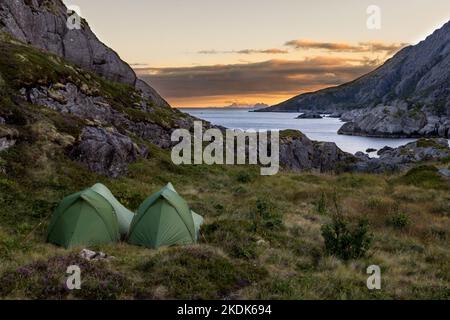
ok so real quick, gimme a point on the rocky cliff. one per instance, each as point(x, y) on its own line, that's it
point(414, 85)
point(43, 24)
point(76, 113)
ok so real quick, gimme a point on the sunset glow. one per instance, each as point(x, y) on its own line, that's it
point(211, 53)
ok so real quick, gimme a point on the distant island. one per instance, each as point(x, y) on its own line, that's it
point(237, 105)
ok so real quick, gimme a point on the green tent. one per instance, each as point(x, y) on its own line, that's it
point(124, 216)
point(90, 217)
point(164, 219)
point(83, 219)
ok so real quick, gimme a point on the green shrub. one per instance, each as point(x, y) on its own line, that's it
point(321, 205)
point(266, 216)
point(426, 177)
point(345, 241)
point(244, 177)
point(429, 143)
point(398, 221)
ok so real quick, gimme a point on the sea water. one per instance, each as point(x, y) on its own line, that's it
point(316, 129)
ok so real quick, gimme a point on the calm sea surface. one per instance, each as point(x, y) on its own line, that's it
point(316, 129)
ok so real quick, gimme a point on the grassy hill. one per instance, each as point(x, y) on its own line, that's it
point(262, 237)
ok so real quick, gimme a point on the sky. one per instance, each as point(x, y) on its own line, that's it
point(200, 53)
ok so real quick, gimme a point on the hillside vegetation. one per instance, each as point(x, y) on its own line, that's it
point(262, 237)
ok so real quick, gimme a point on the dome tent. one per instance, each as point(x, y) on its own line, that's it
point(90, 217)
point(164, 219)
point(84, 218)
point(124, 216)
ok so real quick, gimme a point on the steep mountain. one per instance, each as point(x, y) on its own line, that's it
point(43, 24)
point(64, 95)
point(414, 85)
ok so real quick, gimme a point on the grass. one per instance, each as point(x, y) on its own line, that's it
point(425, 176)
point(429, 143)
point(261, 238)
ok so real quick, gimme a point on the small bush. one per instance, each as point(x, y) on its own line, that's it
point(445, 160)
point(266, 216)
point(344, 241)
point(429, 143)
point(244, 177)
point(398, 221)
point(321, 205)
point(426, 177)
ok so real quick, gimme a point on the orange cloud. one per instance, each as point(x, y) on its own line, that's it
point(361, 47)
point(246, 51)
point(187, 86)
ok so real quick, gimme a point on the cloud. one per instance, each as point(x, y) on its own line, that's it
point(361, 47)
point(276, 77)
point(246, 51)
point(138, 65)
point(389, 48)
point(310, 44)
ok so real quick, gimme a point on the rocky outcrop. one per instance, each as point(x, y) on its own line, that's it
point(106, 151)
point(416, 77)
point(310, 115)
point(401, 158)
point(8, 136)
point(150, 93)
point(70, 99)
point(395, 121)
point(445, 173)
point(299, 153)
point(43, 24)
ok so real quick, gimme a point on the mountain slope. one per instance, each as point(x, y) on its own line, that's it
point(417, 75)
point(43, 24)
point(60, 122)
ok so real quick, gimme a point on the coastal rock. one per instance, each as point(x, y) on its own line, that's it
point(335, 114)
point(299, 153)
point(351, 115)
point(394, 121)
point(106, 151)
point(310, 115)
point(384, 149)
point(401, 158)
